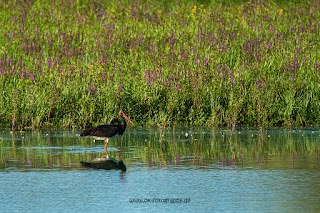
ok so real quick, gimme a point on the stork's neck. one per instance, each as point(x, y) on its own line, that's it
point(124, 124)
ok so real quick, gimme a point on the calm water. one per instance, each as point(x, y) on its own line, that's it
point(180, 170)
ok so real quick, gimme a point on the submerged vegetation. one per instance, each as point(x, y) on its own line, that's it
point(198, 148)
point(75, 63)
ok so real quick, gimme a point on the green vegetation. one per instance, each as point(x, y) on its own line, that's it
point(76, 63)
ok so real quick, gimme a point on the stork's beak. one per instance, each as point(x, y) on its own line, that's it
point(124, 115)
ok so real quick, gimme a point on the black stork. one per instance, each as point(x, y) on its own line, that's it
point(107, 132)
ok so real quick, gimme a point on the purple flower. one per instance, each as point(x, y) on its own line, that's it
point(22, 74)
point(49, 63)
point(177, 87)
point(271, 29)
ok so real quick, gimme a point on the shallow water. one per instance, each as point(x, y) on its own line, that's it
point(181, 169)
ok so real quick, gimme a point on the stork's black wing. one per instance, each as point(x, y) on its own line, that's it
point(103, 131)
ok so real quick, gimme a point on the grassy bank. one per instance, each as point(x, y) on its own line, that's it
point(75, 63)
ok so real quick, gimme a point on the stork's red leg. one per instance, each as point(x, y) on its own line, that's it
point(105, 148)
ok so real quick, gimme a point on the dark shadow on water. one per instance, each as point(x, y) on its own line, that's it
point(105, 163)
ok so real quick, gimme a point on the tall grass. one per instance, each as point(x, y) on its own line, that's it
point(75, 63)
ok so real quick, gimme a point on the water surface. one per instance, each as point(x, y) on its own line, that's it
point(176, 169)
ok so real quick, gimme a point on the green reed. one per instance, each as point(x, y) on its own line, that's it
point(74, 64)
